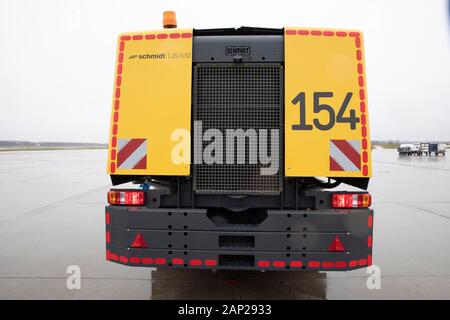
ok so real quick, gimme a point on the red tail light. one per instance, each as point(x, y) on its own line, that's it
point(126, 197)
point(351, 200)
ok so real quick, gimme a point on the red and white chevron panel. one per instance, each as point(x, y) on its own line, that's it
point(132, 154)
point(345, 155)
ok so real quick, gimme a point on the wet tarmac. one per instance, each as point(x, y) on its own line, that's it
point(51, 217)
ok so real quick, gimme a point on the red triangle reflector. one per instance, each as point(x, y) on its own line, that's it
point(336, 245)
point(139, 242)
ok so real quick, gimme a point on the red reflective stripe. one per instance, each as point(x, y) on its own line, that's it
point(108, 237)
point(334, 166)
point(177, 261)
point(174, 35)
point(341, 34)
point(328, 264)
point(114, 129)
point(108, 255)
point(162, 36)
point(353, 263)
point(370, 221)
point(138, 37)
point(160, 261)
point(116, 116)
point(314, 264)
point(365, 170)
point(107, 218)
point(210, 262)
point(360, 68)
point(362, 262)
point(150, 36)
point(362, 106)
point(369, 260)
point(142, 164)
point(195, 262)
point(364, 131)
point(364, 143)
point(128, 149)
point(349, 152)
point(369, 241)
point(358, 55)
point(117, 93)
point(316, 32)
point(147, 261)
point(114, 257)
point(279, 264)
point(291, 32)
point(263, 263)
point(365, 156)
point(186, 35)
point(119, 69)
point(125, 38)
point(361, 94)
point(361, 81)
point(121, 57)
point(118, 81)
point(340, 264)
point(121, 46)
point(295, 264)
point(354, 34)
point(358, 42)
point(123, 259)
point(363, 119)
point(135, 260)
point(328, 33)
point(303, 32)
point(112, 167)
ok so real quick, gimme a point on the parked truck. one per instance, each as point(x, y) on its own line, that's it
point(232, 141)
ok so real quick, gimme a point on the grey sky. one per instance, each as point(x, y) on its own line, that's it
point(57, 58)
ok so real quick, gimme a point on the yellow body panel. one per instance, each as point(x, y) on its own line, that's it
point(330, 61)
point(151, 99)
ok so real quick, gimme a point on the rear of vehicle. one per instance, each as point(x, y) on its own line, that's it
point(235, 139)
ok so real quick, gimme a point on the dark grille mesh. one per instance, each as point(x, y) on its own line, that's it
point(237, 96)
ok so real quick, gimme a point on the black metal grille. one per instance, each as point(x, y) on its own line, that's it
point(237, 96)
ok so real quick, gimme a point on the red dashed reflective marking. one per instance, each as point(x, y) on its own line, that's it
point(353, 263)
point(364, 131)
point(174, 35)
point(160, 261)
point(369, 241)
point(358, 55)
point(365, 156)
point(364, 143)
point(316, 32)
point(123, 259)
point(210, 262)
point(296, 264)
point(119, 69)
point(186, 35)
point(263, 264)
point(362, 106)
point(358, 42)
point(362, 262)
point(121, 46)
point(148, 261)
point(114, 257)
point(279, 264)
point(125, 38)
point(363, 119)
point(113, 154)
point(365, 170)
point(162, 36)
point(177, 261)
point(328, 264)
point(369, 260)
point(360, 68)
point(116, 104)
point(108, 255)
point(114, 142)
point(135, 260)
point(303, 32)
point(361, 81)
point(112, 167)
point(340, 264)
point(341, 34)
point(195, 262)
point(114, 129)
point(361, 94)
point(328, 33)
point(314, 264)
point(117, 93)
point(370, 221)
point(138, 37)
point(121, 57)
point(118, 81)
point(354, 34)
point(116, 116)
point(150, 37)
point(107, 218)
point(291, 32)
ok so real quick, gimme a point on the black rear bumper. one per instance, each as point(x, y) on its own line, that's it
point(276, 240)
